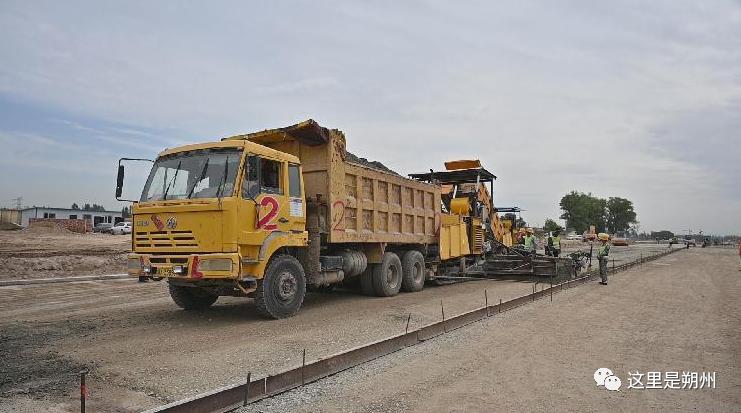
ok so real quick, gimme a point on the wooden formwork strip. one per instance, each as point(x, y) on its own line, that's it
point(465, 319)
point(216, 401)
point(431, 331)
point(351, 358)
point(283, 381)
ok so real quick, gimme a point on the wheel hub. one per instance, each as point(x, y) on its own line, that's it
point(391, 276)
point(418, 274)
point(287, 286)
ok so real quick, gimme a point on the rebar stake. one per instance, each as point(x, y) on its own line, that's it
point(442, 310)
point(408, 319)
point(247, 389)
point(486, 302)
point(83, 391)
point(303, 366)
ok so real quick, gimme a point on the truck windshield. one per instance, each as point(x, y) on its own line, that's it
point(208, 173)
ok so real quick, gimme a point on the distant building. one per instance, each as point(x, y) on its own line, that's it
point(93, 217)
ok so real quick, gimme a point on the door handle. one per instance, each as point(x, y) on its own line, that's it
point(282, 220)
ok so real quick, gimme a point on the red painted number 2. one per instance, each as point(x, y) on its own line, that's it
point(266, 222)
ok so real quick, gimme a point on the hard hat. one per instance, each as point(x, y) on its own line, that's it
point(602, 236)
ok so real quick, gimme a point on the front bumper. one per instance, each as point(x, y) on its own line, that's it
point(190, 267)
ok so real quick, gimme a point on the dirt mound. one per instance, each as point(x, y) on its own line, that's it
point(46, 228)
point(351, 157)
point(9, 226)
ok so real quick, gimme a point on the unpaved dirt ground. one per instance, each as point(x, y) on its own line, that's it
point(680, 313)
point(31, 254)
point(143, 351)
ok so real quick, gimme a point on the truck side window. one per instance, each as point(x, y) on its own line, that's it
point(251, 183)
point(294, 181)
point(270, 177)
point(263, 176)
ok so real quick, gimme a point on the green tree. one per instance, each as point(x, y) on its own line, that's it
point(581, 210)
point(662, 234)
point(75, 206)
point(620, 214)
point(551, 225)
point(125, 213)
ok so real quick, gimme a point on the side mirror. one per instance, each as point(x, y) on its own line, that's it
point(119, 181)
point(137, 174)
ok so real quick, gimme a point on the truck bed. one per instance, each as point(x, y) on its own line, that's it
point(364, 204)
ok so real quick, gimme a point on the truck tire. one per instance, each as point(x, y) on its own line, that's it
point(413, 271)
point(191, 298)
point(387, 276)
point(281, 292)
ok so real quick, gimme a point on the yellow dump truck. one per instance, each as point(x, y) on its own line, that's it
point(268, 214)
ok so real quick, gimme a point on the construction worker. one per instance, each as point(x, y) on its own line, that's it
point(554, 243)
point(739, 254)
point(602, 253)
point(530, 242)
point(520, 236)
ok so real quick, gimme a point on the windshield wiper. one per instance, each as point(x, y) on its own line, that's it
point(174, 177)
point(220, 191)
point(200, 178)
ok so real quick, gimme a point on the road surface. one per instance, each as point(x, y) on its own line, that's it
point(678, 314)
point(143, 351)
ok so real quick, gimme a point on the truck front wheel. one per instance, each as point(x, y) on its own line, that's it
point(281, 292)
point(191, 298)
point(387, 275)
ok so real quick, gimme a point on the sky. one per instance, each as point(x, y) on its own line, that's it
point(635, 99)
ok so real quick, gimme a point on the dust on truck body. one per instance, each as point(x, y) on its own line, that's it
point(268, 214)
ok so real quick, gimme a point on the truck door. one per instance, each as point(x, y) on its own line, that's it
point(272, 202)
point(265, 184)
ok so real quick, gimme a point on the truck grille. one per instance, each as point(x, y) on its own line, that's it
point(165, 239)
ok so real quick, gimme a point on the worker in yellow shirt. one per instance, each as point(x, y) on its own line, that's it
point(531, 243)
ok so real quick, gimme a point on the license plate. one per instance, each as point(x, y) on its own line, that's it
point(165, 272)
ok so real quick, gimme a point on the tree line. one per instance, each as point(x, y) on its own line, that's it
point(581, 210)
point(125, 211)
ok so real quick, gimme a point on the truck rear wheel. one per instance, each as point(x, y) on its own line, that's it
point(413, 271)
point(281, 292)
point(191, 298)
point(387, 275)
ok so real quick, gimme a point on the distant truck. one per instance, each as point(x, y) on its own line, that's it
point(270, 213)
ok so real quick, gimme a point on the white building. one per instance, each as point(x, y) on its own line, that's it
point(94, 217)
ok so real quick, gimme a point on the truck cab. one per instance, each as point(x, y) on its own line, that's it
point(211, 215)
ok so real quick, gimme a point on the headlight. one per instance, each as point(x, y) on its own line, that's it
point(215, 264)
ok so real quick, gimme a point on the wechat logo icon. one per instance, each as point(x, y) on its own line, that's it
point(604, 377)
